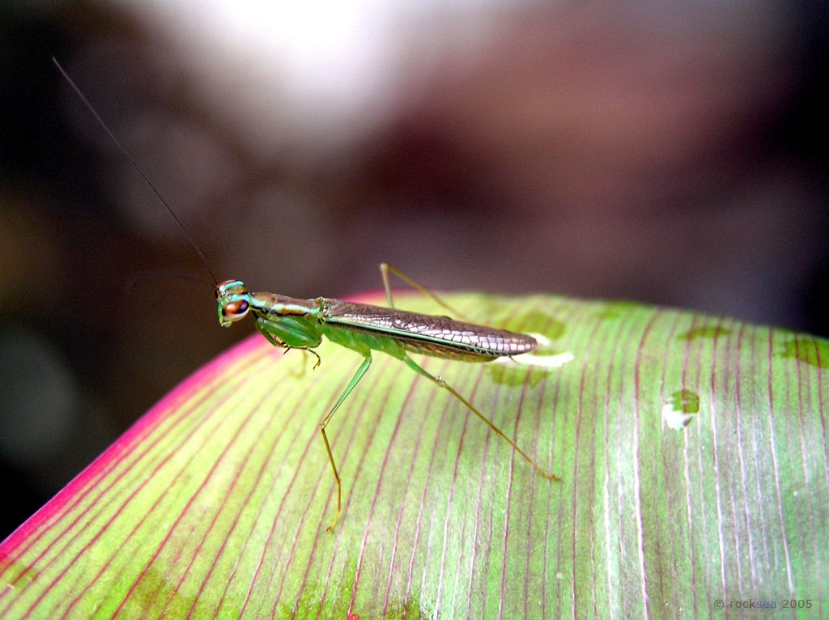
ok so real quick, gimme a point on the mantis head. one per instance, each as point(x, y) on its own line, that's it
point(234, 301)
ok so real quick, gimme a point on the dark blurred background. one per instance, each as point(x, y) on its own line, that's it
point(673, 153)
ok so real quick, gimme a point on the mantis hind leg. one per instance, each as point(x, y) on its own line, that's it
point(441, 383)
point(324, 423)
point(384, 272)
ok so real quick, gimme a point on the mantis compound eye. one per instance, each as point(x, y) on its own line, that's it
point(235, 310)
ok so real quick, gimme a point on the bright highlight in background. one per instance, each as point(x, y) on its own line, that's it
point(325, 69)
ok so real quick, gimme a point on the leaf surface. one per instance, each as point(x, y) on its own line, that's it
point(691, 449)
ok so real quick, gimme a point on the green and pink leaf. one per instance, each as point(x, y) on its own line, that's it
point(692, 452)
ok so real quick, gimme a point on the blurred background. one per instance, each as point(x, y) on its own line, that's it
point(673, 153)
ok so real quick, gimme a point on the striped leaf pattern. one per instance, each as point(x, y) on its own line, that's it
point(692, 452)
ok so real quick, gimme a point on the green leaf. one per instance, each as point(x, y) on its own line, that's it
point(691, 449)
